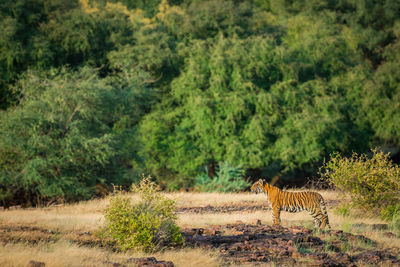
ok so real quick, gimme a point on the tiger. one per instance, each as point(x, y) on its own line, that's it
point(280, 200)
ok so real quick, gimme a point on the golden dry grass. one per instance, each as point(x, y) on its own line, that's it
point(214, 199)
point(52, 219)
point(87, 216)
point(65, 254)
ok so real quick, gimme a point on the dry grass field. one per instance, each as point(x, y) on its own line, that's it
point(58, 235)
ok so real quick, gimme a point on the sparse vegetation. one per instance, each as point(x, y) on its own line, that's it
point(147, 225)
point(373, 183)
point(72, 227)
point(343, 209)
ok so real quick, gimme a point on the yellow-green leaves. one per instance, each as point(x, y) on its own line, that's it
point(373, 182)
point(146, 225)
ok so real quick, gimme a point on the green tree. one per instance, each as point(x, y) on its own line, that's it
point(269, 85)
point(20, 22)
point(382, 97)
point(213, 109)
point(153, 47)
point(70, 132)
point(259, 104)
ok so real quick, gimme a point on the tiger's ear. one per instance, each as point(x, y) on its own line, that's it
point(264, 181)
point(261, 181)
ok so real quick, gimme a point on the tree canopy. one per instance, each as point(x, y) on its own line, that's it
point(95, 92)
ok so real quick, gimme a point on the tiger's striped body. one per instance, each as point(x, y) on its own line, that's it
point(280, 200)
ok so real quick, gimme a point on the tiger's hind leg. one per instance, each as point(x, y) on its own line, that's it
point(325, 220)
point(318, 216)
point(325, 223)
point(317, 222)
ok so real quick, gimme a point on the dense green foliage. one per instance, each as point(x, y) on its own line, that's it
point(93, 92)
point(227, 179)
point(147, 225)
point(69, 133)
point(373, 183)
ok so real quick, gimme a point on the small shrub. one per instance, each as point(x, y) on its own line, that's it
point(147, 225)
point(373, 183)
point(392, 214)
point(228, 179)
point(396, 222)
point(343, 209)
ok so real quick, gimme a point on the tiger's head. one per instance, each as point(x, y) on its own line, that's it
point(258, 187)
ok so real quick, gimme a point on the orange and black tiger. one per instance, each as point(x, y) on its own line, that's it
point(293, 202)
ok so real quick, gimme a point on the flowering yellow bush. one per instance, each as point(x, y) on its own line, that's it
point(372, 182)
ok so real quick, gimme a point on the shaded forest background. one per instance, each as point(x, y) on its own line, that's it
point(94, 93)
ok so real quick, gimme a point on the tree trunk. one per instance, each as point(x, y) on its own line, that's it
point(211, 169)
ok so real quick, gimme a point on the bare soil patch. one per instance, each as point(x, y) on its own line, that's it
point(250, 243)
point(254, 244)
point(245, 206)
point(33, 235)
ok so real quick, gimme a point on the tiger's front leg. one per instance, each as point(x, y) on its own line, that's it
point(276, 212)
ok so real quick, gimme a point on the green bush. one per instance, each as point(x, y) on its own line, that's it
point(147, 225)
point(373, 183)
point(343, 209)
point(392, 214)
point(228, 179)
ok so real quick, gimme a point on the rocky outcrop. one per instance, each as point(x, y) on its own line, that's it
point(245, 244)
point(149, 261)
point(33, 263)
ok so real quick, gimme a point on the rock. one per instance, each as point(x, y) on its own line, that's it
point(389, 234)
point(268, 244)
point(371, 257)
point(149, 261)
point(256, 222)
point(296, 255)
point(336, 232)
point(139, 260)
point(33, 263)
point(377, 258)
point(212, 232)
point(297, 229)
point(343, 259)
point(114, 264)
point(223, 209)
point(199, 231)
point(380, 226)
point(308, 241)
point(238, 233)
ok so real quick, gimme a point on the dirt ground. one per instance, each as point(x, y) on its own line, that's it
point(238, 243)
point(241, 243)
